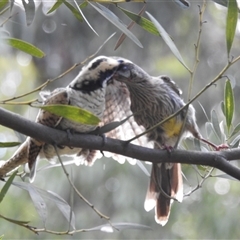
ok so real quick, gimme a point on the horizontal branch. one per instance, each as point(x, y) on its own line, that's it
point(216, 159)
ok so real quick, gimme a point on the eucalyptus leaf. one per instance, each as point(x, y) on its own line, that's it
point(29, 7)
point(62, 205)
point(141, 21)
point(38, 203)
point(209, 129)
point(3, 3)
point(215, 123)
point(14, 221)
point(228, 103)
point(8, 144)
point(167, 40)
point(55, 6)
point(25, 47)
point(74, 11)
point(231, 25)
point(235, 142)
point(72, 113)
point(110, 16)
point(236, 130)
point(7, 186)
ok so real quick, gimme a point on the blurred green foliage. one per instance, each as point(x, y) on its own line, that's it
point(118, 191)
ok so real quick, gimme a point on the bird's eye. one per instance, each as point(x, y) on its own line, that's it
point(120, 61)
point(123, 68)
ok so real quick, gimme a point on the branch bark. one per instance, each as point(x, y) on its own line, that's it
point(216, 159)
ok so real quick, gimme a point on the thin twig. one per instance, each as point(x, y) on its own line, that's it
point(76, 190)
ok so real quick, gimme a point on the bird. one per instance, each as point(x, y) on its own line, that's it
point(86, 91)
point(153, 99)
point(94, 90)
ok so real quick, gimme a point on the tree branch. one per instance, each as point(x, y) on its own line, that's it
point(216, 159)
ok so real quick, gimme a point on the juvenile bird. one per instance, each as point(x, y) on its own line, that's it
point(86, 91)
point(153, 99)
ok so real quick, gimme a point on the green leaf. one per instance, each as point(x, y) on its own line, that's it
point(74, 11)
point(57, 4)
point(232, 18)
point(222, 107)
point(110, 16)
point(229, 104)
point(14, 221)
point(38, 203)
point(25, 47)
point(8, 144)
point(72, 113)
point(216, 124)
point(141, 21)
point(29, 10)
point(7, 186)
point(167, 40)
point(62, 205)
point(3, 3)
point(236, 130)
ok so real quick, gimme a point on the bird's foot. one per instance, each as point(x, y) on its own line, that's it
point(217, 148)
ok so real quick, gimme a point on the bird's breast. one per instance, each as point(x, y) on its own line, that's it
point(93, 102)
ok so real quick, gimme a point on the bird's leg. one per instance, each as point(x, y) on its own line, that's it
point(217, 148)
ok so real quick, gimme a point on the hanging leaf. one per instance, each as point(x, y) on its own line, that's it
point(3, 3)
point(14, 221)
point(38, 203)
point(7, 186)
point(8, 144)
point(51, 196)
point(232, 18)
point(29, 10)
point(229, 104)
point(72, 113)
point(25, 47)
point(236, 130)
point(141, 21)
point(55, 6)
point(216, 126)
point(74, 11)
point(116, 21)
point(167, 40)
point(182, 3)
point(63, 206)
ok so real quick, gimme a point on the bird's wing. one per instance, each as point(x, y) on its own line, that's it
point(168, 81)
point(117, 109)
point(58, 96)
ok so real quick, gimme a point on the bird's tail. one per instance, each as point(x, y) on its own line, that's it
point(165, 183)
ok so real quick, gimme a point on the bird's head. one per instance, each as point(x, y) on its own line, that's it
point(95, 75)
point(128, 72)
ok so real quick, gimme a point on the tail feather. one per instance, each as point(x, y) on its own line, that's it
point(164, 182)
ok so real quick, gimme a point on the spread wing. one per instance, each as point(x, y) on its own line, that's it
point(30, 149)
point(117, 109)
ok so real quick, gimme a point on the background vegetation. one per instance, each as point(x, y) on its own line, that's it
point(119, 190)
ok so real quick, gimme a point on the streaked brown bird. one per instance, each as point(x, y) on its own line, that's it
point(92, 91)
point(153, 99)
